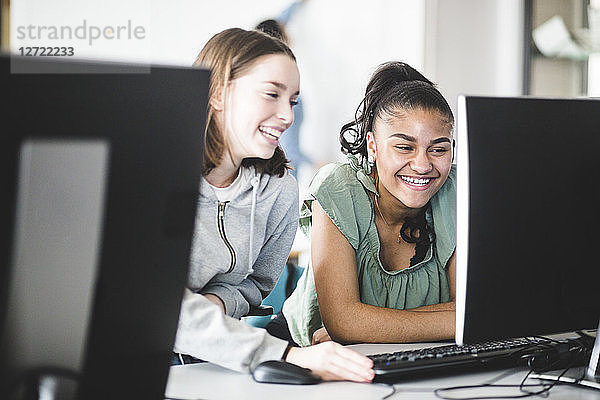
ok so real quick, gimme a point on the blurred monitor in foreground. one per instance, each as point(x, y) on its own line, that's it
point(100, 175)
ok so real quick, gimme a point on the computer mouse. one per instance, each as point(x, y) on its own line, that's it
point(278, 371)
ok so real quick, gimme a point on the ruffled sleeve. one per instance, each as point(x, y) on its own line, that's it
point(443, 208)
point(342, 197)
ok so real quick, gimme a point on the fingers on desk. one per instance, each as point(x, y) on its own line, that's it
point(353, 363)
point(333, 361)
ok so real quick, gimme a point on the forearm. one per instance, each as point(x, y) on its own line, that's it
point(448, 306)
point(206, 333)
point(359, 323)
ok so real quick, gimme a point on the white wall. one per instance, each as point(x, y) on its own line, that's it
point(180, 28)
point(175, 30)
point(339, 44)
point(475, 47)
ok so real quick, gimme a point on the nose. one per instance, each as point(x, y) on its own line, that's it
point(285, 113)
point(421, 163)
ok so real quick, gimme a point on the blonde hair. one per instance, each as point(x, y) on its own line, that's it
point(228, 55)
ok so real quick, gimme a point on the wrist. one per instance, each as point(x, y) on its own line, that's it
point(213, 298)
point(291, 354)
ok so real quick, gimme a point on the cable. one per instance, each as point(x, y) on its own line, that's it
point(466, 387)
point(546, 387)
point(502, 376)
point(387, 396)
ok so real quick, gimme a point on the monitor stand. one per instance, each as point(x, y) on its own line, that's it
point(585, 376)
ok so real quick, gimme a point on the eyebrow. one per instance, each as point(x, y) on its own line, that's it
point(441, 140)
point(412, 139)
point(280, 85)
point(404, 136)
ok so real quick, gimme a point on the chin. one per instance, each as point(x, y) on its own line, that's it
point(415, 203)
point(419, 201)
point(270, 153)
point(266, 155)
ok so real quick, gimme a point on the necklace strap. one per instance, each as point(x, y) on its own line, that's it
point(399, 238)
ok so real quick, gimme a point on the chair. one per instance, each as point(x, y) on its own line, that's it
point(271, 305)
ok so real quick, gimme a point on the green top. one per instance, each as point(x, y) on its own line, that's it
point(342, 191)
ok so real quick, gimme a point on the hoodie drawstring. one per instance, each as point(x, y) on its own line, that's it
point(254, 182)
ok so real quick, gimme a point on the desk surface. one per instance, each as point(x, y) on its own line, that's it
point(209, 381)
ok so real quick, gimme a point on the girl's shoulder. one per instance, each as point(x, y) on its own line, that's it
point(338, 180)
point(339, 191)
point(284, 188)
point(279, 183)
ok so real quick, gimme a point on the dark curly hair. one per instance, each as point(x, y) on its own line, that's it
point(273, 28)
point(396, 87)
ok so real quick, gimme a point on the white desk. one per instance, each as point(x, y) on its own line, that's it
point(209, 381)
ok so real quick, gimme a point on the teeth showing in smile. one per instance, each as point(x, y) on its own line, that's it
point(416, 181)
point(274, 133)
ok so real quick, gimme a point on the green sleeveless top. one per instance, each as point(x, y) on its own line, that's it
point(342, 191)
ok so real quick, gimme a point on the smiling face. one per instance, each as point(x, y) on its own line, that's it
point(413, 155)
point(256, 107)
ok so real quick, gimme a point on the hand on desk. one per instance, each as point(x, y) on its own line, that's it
point(333, 362)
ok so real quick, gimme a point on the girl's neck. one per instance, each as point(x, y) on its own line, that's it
point(225, 173)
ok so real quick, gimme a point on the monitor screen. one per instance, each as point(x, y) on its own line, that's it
point(100, 176)
point(527, 216)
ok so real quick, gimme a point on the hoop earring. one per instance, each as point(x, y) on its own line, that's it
point(370, 159)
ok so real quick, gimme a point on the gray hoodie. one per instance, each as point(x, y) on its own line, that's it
point(239, 250)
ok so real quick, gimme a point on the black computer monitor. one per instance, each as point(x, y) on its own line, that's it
point(528, 216)
point(100, 175)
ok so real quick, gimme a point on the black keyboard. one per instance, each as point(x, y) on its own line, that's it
point(394, 367)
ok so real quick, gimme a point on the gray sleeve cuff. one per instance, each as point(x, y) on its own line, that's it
point(235, 304)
